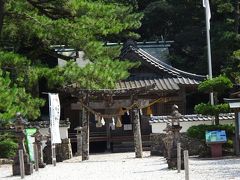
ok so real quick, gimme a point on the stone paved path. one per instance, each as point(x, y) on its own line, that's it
point(123, 166)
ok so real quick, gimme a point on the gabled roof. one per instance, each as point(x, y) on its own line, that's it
point(153, 62)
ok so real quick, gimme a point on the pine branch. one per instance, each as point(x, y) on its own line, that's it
point(51, 12)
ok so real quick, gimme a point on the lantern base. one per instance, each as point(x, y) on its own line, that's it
point(28, 169)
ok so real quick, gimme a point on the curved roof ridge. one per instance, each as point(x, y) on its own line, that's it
point(170, 69)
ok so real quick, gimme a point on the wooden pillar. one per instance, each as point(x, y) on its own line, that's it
point(85, 135)
point(108, 136)
point(137, 133)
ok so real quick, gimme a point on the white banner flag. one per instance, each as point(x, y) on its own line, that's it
point(208, 13)
point(54, 113)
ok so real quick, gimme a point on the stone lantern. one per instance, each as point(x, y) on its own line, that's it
point(173, 137)
point(20, 134)
point(38, 143)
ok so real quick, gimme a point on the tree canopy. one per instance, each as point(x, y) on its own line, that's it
point(218, 85)
point(184, 22)
point(29, 31)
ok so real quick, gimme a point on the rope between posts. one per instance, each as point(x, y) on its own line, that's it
point(126, 108)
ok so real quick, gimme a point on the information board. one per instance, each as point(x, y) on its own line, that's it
point(216, 136)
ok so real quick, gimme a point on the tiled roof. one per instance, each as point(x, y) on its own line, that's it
point(190, 118)
point(147, 58)
point(46, 124)
point(160, 83)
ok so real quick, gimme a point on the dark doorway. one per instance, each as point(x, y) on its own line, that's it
point(98, 147)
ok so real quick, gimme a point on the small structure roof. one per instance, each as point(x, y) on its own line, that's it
point(233, 103)
point(46, 124)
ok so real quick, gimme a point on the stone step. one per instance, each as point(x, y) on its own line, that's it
point(130, 149)
point(131, 144)
point(128, 146)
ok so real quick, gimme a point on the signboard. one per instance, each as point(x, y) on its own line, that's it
point(218, 136)
point(30, 141)
point(54, 111)
point(127, 127)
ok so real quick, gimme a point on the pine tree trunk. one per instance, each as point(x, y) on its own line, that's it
point(236, 15)
point(2, 2)
point(85, 135)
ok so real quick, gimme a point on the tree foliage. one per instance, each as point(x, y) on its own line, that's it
point(214, 110)
point(184, 22)
point(218, 85)
point(199, 131)
point(8, 148)
point(30, 29)
point(15, 99)
point(233, 68)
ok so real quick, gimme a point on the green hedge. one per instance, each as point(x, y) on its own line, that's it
point(8, 148)
point(199, 130)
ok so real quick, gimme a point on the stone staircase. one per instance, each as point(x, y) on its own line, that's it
point(128, 146)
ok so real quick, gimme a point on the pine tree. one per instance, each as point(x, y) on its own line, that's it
point(30, 28)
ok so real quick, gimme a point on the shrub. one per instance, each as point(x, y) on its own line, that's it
point(8, 148)
point(208, 109)
point(218, 84)
point(199, 130)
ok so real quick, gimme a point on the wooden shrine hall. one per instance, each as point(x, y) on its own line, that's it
point(152, 88)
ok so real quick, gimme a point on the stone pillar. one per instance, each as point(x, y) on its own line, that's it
point(79, 141)
point(85, 135)
point(137, 133)
point(79, 144)
point(47, 151)
point(38, 142)
point(66, 149)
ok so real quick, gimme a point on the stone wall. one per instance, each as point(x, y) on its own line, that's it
point(194, 146)
point(63, 151)
point(6, 161)
point(159, 127)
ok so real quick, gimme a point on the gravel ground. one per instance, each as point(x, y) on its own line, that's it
point(125, 167)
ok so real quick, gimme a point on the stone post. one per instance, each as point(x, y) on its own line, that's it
point(79, 141)
point(38, 142)
point(137, 133)
point(66, 149)
point(85, 135)
point(47, 151)
point(20, 134)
